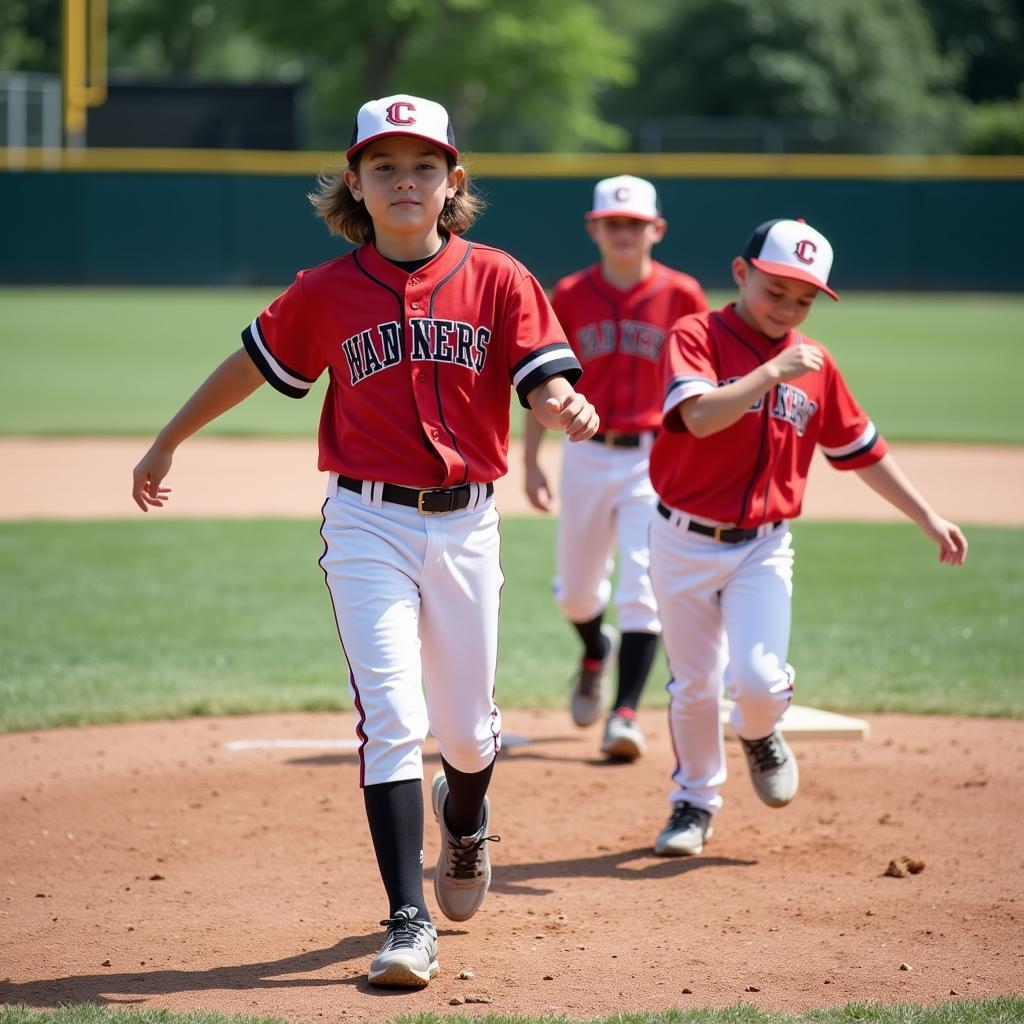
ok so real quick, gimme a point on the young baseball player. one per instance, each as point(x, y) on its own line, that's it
point(747, 399)
point(421, 334)
point(616, 315)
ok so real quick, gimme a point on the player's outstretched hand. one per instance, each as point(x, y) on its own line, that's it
point(575, 415)
point(952, 543)
point(537, 490)
point(795, 361)
point(147, 477)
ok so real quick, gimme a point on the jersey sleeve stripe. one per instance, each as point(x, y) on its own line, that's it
point(681, 388)
point(541, 365)
point(538, 357)
point(863, 443)
point(287, 381)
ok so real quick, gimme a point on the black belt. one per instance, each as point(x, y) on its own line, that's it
point(614, 439)
point(726, 534)
point(431, 501)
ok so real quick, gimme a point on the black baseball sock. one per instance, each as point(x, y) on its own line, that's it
point(394, 811)
point(464, 811)
point(636, 656)
point(595, 647)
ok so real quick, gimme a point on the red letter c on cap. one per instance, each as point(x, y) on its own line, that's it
point(621, 194)
point(805, 251)
point(401, 113)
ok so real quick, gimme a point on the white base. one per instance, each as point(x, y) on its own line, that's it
point(812, 723)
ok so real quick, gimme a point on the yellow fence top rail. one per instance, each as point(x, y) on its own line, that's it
point(533, 165)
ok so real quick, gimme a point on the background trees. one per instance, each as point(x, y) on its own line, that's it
point(921, 75)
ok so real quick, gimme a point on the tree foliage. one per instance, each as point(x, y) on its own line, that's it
point(997, 128)
point(557, 76)
point(524, 75)
point(844, 61)
point(30, 36)
point(987, 37)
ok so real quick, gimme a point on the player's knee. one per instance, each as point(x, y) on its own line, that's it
point(693, 692)
point(469, 754)
point(755, 685)
point(581, 604)
point(577, 608)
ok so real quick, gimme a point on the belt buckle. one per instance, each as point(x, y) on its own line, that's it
point(611, 436)
point(719, 530)
point(434, 511)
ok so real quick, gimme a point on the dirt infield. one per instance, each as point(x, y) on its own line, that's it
point(91, 478)
point(153, 866)
point(157, 865)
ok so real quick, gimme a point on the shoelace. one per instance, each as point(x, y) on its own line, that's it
point(402, 932)
point(683, 816)
point(766, 753)
point(466, 858)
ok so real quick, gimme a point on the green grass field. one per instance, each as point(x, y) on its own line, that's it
point(1009, 1010)
point(149, 618)
point(121, 361)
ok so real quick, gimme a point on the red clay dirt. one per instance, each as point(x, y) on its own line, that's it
point(153, 866)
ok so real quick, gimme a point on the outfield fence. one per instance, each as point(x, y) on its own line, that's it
point(241, 217)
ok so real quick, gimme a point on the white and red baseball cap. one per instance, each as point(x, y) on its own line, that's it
point(402, 115)
point(792, 248)
point(625, 196)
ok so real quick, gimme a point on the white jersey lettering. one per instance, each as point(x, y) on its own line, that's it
point(433, 340)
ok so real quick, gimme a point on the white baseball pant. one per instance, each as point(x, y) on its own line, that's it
point(726, 611)
point(606, 500)
point(416, 602)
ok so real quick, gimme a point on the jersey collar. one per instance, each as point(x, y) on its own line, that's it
point(384, 270)
point(739, 326)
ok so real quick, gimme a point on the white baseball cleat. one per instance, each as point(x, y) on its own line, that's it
point(773, 769)
point(463, 873)
point(684, 834)
point(408, 957)
point(623, 740)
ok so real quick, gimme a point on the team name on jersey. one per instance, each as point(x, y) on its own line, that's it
point(633, 337)
point(433, 340)
point(792, 405)
point(789, 404)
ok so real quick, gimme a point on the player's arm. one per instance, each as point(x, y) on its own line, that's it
point(535, 481)
point(712, 411)
point(232, 382)
point(558, 406)
point(886, 479)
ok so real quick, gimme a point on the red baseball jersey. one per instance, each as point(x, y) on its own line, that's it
point(419, 364)
point(755, 471)
point(618, 336)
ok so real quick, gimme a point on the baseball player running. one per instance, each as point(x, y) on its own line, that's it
point(616, 315)
point(747, 398)
point(422, 334)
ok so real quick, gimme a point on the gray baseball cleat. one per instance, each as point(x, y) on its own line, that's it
point(773, 769)
point(463, 873)
point(684, 835)
point(591, 685)
point(623, 740)
point(408, 957)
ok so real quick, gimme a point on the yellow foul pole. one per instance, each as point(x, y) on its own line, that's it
point(84, 46)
